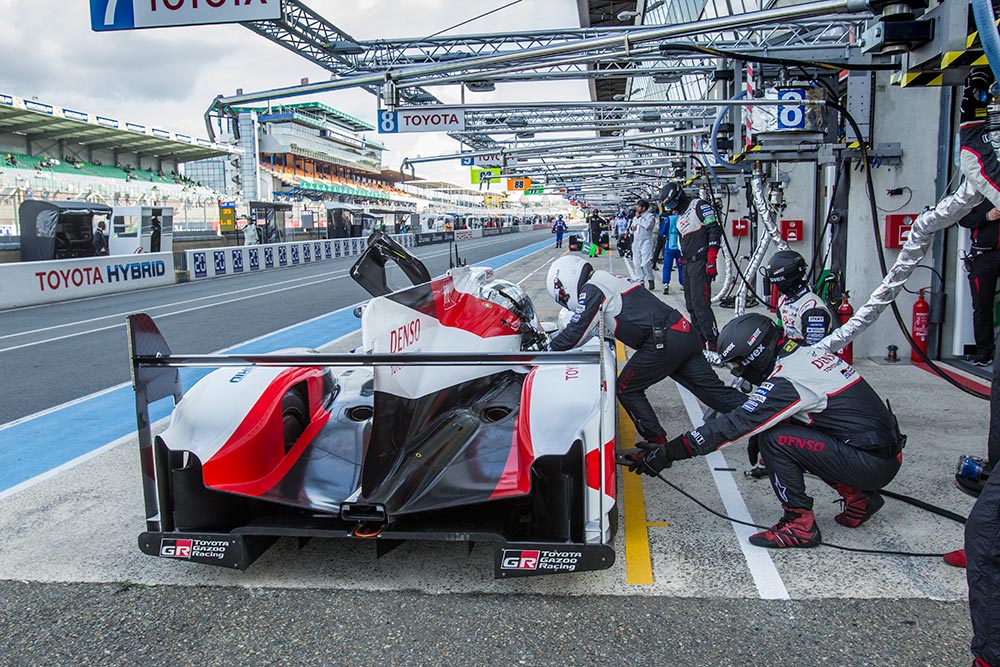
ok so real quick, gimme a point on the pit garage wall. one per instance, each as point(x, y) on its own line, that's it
point(910, 117)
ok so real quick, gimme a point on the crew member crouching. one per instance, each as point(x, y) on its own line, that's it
point(811, 411)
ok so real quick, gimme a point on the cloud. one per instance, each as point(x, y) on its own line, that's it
point(168, 77)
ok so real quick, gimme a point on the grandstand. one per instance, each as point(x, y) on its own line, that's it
point(49, 152)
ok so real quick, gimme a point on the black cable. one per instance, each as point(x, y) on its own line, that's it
point(913, 554)
point(916, 502)
point(881, 258)
point(787, 62)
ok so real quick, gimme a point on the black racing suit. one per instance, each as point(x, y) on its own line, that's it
point(815, 412)
point(984, 270)
point(664, 346)
point(700, 233)
point(982, 549)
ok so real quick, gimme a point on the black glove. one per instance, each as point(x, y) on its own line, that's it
point(651, 458)
point(753, 450)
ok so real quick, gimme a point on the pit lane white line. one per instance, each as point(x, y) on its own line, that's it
point(333, 275)
point(765, 574)
point(535, 271)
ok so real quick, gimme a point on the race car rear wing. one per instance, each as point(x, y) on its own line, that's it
point(369, 270)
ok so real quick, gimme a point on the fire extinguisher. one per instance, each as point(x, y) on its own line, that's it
point(920, 327)
point(844, 312)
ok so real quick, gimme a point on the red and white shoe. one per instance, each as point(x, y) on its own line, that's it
point(859, 506)
point(796, 529)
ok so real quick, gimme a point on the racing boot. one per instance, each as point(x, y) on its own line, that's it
point(796, 529)
point(859, 506)
point(652, 286)
point(666, 289)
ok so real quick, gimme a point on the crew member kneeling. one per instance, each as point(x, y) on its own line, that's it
point(663, 340)
point(811, 411)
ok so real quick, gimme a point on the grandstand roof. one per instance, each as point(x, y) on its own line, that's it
point(44, 121)
point(355, 124)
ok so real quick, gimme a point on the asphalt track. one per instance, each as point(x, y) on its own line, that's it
point(75, 590)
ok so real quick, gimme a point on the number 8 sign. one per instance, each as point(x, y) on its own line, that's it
point(792, 116)
point(387, 122)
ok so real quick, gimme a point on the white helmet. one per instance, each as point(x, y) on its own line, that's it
point(566, 275)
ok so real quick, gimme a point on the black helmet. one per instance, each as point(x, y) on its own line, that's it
point(749, 345)
point(786, 271)
point(673, 197)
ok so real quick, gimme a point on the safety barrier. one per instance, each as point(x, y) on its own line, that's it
point(235, 260)
point(30, 283)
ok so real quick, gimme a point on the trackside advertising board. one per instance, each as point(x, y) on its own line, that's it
point(228, 261)
point(29, 283)
point(421, 119)
point(132, 14)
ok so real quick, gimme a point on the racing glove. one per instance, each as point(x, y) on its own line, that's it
point(651, 458)
point(711, 270)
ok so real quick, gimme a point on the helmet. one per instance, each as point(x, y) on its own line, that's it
point(510, 296)
point(749, 345)
point(566, 276)
point(786, 271)
point(673, 197)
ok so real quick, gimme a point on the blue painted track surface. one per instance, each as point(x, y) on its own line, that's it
point(36, 445)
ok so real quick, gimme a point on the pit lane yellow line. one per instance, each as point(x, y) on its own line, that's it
point(638, 564)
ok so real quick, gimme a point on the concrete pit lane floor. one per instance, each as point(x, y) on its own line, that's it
point(686, 588)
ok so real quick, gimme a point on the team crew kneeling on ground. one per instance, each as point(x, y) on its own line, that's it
point(810, 411)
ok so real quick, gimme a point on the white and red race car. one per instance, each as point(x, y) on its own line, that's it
point(449, 423)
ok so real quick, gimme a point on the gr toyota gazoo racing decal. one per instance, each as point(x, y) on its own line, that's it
point(553, 561)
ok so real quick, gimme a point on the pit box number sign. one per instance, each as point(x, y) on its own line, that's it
point(133, 14)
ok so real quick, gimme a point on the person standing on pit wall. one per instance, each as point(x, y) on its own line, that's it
point(671, 251)
point(559, 228)
point(700, 234)
point(642, 243)
point(100, 239)
point(983, 265)
point(664, 344)
point(804, 316)
point(811, 411)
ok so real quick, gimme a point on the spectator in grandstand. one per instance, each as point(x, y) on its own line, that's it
point(11, 160)
point(100, 239)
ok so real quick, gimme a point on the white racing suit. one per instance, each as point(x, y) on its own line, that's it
point(814, 413)
point(642, 246)
point(805, 318)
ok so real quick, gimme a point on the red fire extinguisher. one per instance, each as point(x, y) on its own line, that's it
point(920, 327)
point(844, 312)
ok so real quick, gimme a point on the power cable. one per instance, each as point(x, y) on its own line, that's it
point(787, 62)
point(840, 547)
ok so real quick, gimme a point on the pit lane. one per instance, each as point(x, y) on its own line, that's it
point(78, 527)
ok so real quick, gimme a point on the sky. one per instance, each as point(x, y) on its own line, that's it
point(167, 77)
